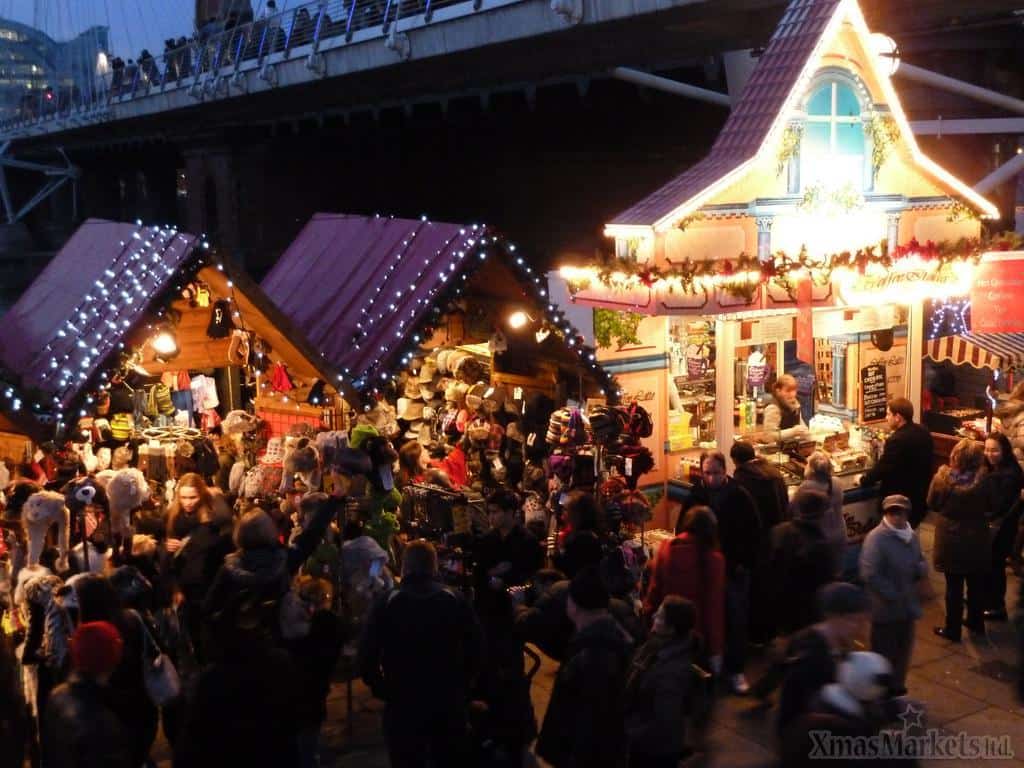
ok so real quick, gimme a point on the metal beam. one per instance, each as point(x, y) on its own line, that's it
point(959, 127)
point(944, 83)
point(647, 80)
point(1001, 175)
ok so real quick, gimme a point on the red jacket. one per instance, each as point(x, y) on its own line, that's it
point(676, 571)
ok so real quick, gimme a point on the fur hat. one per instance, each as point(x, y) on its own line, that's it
point(40, 511)
point(238, 422)
point(16, 499)
point(475, 396)
point(127, 490)
point(303, 458)
point(83, 492)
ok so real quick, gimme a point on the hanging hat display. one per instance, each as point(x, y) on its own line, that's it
point(442, 361)
point(427, 371)
point(221, 325)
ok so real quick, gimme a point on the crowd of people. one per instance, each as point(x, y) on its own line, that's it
point(225, 622)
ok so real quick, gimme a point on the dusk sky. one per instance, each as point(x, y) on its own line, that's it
point(134, 24)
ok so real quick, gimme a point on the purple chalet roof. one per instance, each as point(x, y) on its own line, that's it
point(751, 120)
point(84, 302)
point(356, 285)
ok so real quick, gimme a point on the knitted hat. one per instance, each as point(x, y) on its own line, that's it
point(96, 649)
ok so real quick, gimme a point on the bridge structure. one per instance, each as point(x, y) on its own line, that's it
point(361, 105)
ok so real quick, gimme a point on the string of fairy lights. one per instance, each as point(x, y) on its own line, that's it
point(149, 260)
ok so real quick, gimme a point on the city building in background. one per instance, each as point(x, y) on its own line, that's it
point(32, 62)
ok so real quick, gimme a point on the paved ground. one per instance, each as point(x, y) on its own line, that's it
point(966, 687)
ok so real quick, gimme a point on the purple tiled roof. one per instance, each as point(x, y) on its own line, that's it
point(753, 116)
point(84, 302)
point(356, 285)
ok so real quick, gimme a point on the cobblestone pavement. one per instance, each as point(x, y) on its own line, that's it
point(966, 687)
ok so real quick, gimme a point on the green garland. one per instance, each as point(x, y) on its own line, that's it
point(615, 328)
point(690, 275)
point(884, 133)
point(791, 139)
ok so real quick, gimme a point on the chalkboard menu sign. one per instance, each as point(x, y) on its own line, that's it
point(873, 391)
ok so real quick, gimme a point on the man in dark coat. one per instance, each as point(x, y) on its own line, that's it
point(766, 486)
point(420, 653)
point(739, 534)
point(905, 466)
point(508, 555)
point(584, 725)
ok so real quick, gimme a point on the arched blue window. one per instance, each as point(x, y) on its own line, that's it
point(833, 147)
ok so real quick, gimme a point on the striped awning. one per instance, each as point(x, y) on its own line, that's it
point(981, 350)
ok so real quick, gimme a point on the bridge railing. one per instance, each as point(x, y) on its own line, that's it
point(219, 50)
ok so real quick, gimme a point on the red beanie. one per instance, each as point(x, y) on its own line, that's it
point(96, 648)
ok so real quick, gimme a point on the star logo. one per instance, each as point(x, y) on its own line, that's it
point(911, 717)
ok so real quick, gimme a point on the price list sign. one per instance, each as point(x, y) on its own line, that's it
point(874, 395)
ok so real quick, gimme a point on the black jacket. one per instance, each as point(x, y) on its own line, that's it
point(421, 647)
point(905, 467)
point(801, 562)
point(765, 485)
point(739, 525)
point(581, 549)
point(584, 726)
point(80, 731)
point(658, 696)
point(197, 562)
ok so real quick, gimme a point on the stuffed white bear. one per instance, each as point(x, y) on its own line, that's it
point(127, 490)
point(41, 510)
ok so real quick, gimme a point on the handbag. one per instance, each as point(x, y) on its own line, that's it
point(158, 673)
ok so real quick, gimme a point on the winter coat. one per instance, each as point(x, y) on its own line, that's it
point(243, 711)
point(833, 524)
point(421, 647)
point(739, 525)
point(963, 506)
point(657, 695)
point(584, 725)
point(1005, 486)
point(801, 562)
point(905, 467)
point(890, 569)
point(197, 562)
point(1011, 420)
point(262, 575)
point(766, 486)
point(676, 571)
point(80, 730)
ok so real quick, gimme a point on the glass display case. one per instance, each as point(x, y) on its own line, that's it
point(691, 386)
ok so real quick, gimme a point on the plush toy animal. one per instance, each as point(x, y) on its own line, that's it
point(40, 511)
point(302, 460)
point(127, 490)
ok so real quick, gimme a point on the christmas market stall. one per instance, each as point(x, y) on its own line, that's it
point(148, 357)
point(458, 355)
point(774, 292)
